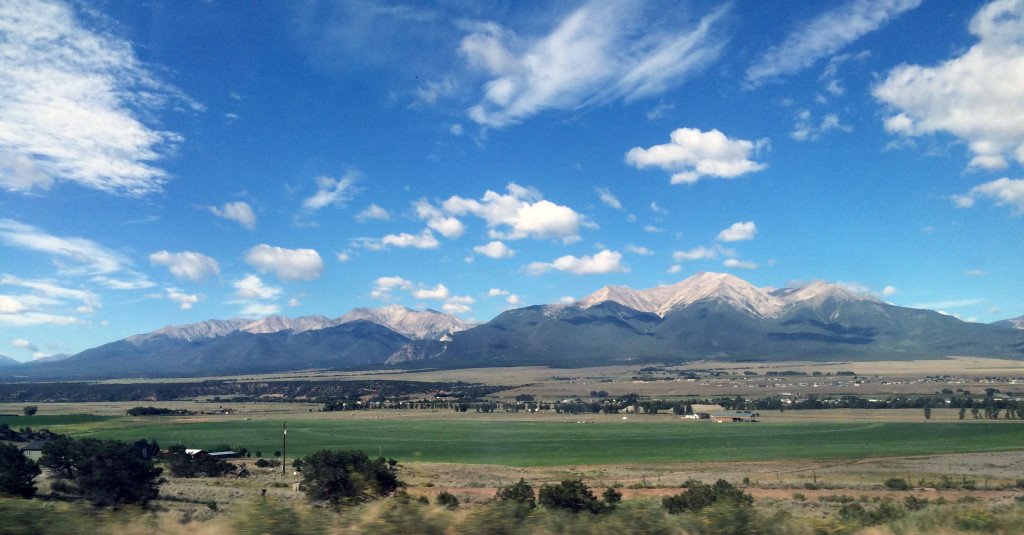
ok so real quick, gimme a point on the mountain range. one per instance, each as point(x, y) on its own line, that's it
point(707, 316)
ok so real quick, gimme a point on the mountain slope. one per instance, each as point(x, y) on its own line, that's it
point(422, 324)
point(1013, 323)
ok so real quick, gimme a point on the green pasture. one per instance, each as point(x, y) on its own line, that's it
point(560, 443)
point(51, 421)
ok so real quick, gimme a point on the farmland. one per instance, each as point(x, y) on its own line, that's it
point(517, 442)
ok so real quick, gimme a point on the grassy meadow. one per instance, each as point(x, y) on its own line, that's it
point(557, 443)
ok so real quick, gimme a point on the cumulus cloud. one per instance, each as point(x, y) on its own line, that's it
point(521, 213)
point(458, 304)
point(692, 154)
point(72, 104)
point(638, 249)
point(566, 300)
point(673, 269)
point(601, 52)
point(495, 292)
point(977, 96)
point(331, 191)
point(1004, 192)
point(737, 263)
point(287, 264)
point(238, 211)
point(184, 300)
point(806, 129)
point(437, 292)
point(423, 240)
point(447, 226)
point(494, 249)
point(186, 264)
point(260, 309)
point(739, 231)
point(703, 253)
point(513, 300)
point(383, 287)
point(889, 290)
point(21, 343)
point(608, 198)
point(252, 287)
point(823, 36)
point(603, 262)
point(75, 256)
point(373, 212)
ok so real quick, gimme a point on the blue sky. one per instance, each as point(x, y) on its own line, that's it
point(169, 162)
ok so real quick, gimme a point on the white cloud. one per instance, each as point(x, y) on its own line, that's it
point(186, 265)
point(373, 212)
point(703, 253)
point(608, 198)
point(184, 300)
point(692, 155)
point(458, 304)
point(494, 249)
point(602, 51)
point(238, 211)
point(658, 209)
point(660, 110)
point(449, 227)
point(252, 287)
point(825, 35)
point(513, 300)
point(638, 249)
point(11, 305)
point(293, 302)
point(673, 269)
point(28, 319)
point(804, 129)
point(523, 212)
point(975, 273)
point(739, 231)
point(438, 292)
point(977, 96)
point(653, 229)
point(331, 191)
point(495, 292)
point(260, 309)
point(423, 240)
point(344, 257)
point(603, 262)
point(456, 129)
point(287, 264)
point(889, 290)
point(736, 263)
point(76, 256)
point(48, 293)
point(566, 300)
point(72, 102)
point(1003, 191)
point(21, 343)
point(384, 286)
point(951, 303)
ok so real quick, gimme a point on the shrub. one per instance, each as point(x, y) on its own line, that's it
point(185, 465)
point(30, 410)
point(521, 493)
point(267, 463)
point(571, 495)
point(347, 476)
point(897, 483)
point(448, 500)
point(698, 496)
point(16, 472)
point(104, 472)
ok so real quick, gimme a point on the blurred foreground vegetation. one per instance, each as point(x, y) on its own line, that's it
point(401, 514)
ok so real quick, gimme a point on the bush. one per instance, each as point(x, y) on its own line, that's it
point(448, 500)
point(698, 496)
point(897, 483)
point(267, 463)
point(30, 410)
point(17, 472)
point(347, 476)
point(520, 492)
point(571, 495)
point(185, 465)
point(104, 472)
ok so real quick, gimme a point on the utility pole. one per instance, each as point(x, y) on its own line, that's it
point(284, 447)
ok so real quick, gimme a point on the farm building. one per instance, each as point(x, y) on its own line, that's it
point(703, 412)
point(33, 450)
point(733, 416)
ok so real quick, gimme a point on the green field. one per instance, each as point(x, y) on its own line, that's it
point(560, 443)
point(52, 421)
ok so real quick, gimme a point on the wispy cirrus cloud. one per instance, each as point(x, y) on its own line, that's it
point(72, 104)
point(823, 36)
point(601, 52)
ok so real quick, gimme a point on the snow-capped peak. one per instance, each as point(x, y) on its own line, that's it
point(425, 324)
point(194, 331)
point(726, 288)
point(273, 324)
